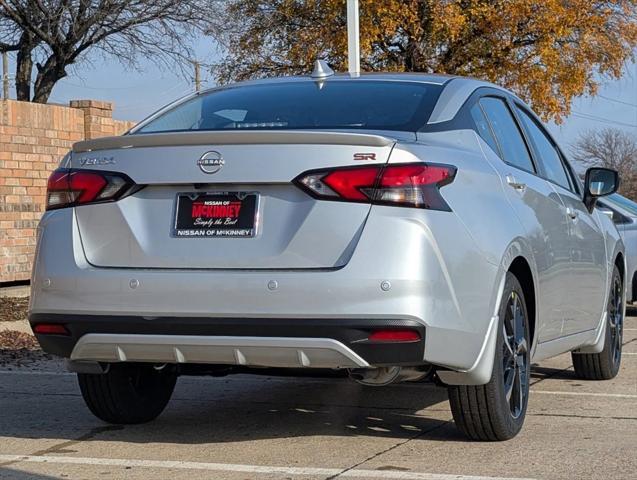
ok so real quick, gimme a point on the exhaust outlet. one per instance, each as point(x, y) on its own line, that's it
point(383, 376)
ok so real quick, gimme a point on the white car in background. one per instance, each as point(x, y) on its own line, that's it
point(625, 218)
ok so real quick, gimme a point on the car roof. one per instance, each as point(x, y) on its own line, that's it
point(437, 79)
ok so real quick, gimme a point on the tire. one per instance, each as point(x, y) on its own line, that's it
point(605, 364)
point(496, 411)
point(128, 393)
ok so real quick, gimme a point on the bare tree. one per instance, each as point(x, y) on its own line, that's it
point(612, 148)
point(52, 35)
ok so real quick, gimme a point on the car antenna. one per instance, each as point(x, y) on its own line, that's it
point(321, 70)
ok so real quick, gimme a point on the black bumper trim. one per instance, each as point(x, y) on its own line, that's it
point(351, 332)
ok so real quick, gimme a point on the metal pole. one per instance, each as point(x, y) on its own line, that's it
point(5, 75)
point(353, 42)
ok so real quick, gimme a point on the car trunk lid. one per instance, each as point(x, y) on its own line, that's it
point(290, 229)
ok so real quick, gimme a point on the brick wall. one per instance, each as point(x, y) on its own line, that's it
point(33, 139)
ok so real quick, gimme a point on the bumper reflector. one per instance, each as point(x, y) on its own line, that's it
point(50, 329)
point(394, 336)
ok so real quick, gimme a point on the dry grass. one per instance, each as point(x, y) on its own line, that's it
point(13, 309)
point(14, 340)
point(19, 350)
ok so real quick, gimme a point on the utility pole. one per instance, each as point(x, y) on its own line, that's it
point(197, 75)
point(353, 41)
point(5, 75)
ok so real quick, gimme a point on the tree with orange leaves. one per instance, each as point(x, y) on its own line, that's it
point(547, 51)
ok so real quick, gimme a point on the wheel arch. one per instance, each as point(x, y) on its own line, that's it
point(519, 261)
point(620, 263)
point(522, 270)
point(619, 260)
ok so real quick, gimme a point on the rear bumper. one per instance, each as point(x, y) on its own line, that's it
point(413, 266)
point(292, 343)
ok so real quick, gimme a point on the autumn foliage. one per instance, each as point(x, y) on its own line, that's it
point(547, 51)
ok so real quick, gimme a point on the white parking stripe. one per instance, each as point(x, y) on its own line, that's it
point(227, 467)
point(586, 394)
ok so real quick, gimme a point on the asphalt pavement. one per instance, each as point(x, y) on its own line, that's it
point(256, 427)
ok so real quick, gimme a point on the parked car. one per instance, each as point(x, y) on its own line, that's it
point(386, 224)
point(624, 215)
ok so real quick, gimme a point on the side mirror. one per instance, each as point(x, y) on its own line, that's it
point(599, 182)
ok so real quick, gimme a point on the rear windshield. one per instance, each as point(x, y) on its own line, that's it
point(373, 105)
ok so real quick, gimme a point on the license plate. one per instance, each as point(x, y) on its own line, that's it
point(229, 214)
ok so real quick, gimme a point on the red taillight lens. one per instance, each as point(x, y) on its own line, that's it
point(414, 185)
point(349, 184)
point(394, 336)
point(50, 329)
point(409, 185)
point(69, 188)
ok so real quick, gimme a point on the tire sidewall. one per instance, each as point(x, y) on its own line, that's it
point(504, 420)
point(608, 350)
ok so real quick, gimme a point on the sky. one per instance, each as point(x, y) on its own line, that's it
point(138, 93)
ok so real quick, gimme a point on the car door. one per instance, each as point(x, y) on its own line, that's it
point(587, 244)
point(538, 207)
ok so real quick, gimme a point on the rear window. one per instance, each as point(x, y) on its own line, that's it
point(349, 104)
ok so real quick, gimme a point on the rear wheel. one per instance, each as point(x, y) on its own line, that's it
point(605, 365)
point(496, 411)
point(128, 393)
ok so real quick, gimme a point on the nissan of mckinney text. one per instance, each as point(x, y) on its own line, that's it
point(392, 227)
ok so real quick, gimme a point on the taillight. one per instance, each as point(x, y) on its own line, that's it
point(408, 185)
point(69, 187)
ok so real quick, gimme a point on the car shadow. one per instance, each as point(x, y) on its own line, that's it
point(539, 373)
point(8, 473)
point(247, 407)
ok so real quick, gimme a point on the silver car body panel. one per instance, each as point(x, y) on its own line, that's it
point(332, 260)
point(455, 95)
point(132, 233)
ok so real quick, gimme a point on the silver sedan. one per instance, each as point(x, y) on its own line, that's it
point(392, 226)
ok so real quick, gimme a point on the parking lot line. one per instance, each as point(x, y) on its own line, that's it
point(255, 469)
point(586, 394)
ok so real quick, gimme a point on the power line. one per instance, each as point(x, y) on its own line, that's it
point(618, 101)
point(603, 120)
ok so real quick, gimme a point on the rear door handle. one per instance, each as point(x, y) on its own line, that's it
point(514, 183)
point(572, 214)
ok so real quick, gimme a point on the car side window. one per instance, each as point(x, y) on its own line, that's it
point(550, 157)
point(512, 147)
point(483, 128)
